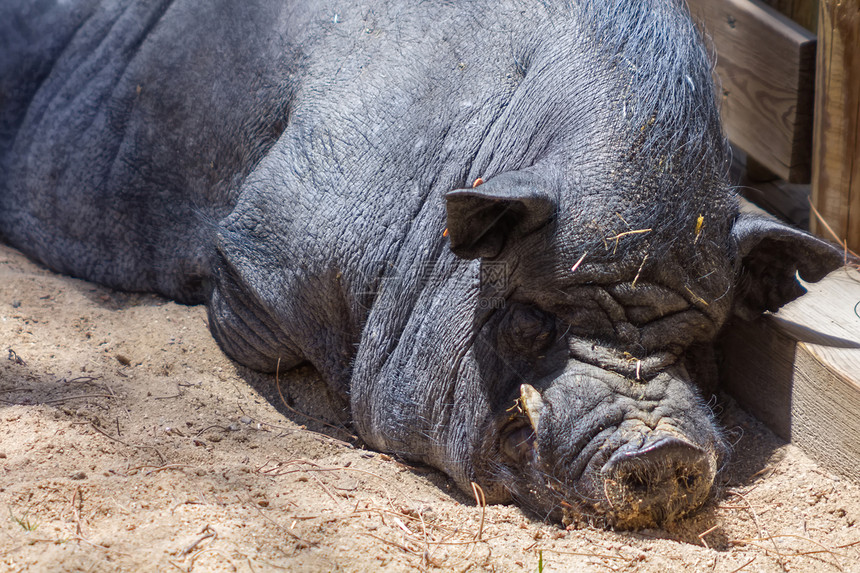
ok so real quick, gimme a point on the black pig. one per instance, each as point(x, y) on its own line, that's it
point(501, 229)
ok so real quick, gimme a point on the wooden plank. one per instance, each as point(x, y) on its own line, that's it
point(788, 202)
point(804, 12)
point(836, 154)
point(798, 371)
point(765, 63)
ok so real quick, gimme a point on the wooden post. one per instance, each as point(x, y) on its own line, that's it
point(798, 371)
point(836, 132)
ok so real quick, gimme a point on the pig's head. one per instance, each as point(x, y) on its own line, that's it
point(603, 345)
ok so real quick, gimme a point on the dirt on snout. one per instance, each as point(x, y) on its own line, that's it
point(130, 443)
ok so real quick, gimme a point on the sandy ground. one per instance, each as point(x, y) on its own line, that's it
point(130, 443)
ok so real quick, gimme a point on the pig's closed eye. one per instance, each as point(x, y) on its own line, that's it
point(527, 330)
point(647, 302)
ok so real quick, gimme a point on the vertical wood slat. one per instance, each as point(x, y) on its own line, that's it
point(836, 133)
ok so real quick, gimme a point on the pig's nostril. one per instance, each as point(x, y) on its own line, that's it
point(686, 481)
point(665, 479)
point(636, 482)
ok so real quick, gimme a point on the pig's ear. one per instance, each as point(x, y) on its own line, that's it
point(771, 254)
point(482, 219)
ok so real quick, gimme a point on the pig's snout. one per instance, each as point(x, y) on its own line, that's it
point(664, 479)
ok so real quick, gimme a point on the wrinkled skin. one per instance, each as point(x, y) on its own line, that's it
point(308, 171)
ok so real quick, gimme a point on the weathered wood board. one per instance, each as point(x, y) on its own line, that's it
point(836, 154)
point(766, 66)
point(798, 371)
point(804, 12)
point(786, 201)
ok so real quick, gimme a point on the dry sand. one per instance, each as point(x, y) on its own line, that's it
point(129, 442)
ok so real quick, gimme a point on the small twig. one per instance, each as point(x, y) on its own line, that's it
point(13, 356)
point(167, 467)
point(427, 557)
point(276, 472)
point(322, 437)
point(105, 434)
point(639, 272)
point(617, 237)
point(318, 469)
point(288, 531)
point(222, 428)
point(762, 472)
point(76, 509)
point(760, 531)
point(744, 565)
point(394, 543)
point(402, 526)
point(824, 548)
point(447, 531)
point(207, 533)
point(470, 542)
point(579, 262)
point(97, 546)
point(578, 553)
point(842, 242)
point(82, 379)
point(696, 297)
point(77, 397)
point(56, 400)
point(606, 495)
point(705, 533)
point(327, 490)
point(700, 222)
point(482, 502)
